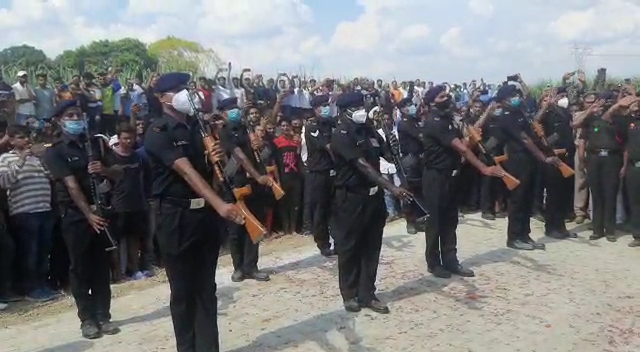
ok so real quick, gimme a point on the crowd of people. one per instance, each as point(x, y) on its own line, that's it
point(430, 152)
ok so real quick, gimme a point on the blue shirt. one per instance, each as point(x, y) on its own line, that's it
point(128, 99)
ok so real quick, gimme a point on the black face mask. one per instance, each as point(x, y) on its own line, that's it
point(443, 105)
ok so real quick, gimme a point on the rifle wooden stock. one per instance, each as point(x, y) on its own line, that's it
point(509, 181)
point(565, 170)
point(255, 229)
point(278, 193)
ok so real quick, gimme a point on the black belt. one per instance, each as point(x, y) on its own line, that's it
point(184, 203)
point(364, 191)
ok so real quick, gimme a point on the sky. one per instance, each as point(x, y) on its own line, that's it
point(453, 40)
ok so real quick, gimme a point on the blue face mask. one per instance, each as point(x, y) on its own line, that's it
point(411, 110)
point(233, 115)
point(514, 102)
point(74, 128)
point(325, 111)
point(497, 112)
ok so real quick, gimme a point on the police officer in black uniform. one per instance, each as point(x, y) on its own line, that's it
point(604, 136)
point(411, 149)
point(358, 212)
point(237, 144)
point(320, 171)
point(632, 177)
point(187, 216)
point(556, 119)
point(443, 147)
point(524, 156)
point(68, 162)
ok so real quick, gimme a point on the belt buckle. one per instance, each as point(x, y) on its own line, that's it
point(454, 173)
point(636, 164)
point(603, 152)
point(196, 203)
point(373, 190)
point(332, 172)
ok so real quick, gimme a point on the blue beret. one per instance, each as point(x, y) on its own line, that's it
point(320, 100)
point(62, 106)
point(506, 91)
point(404, 102)
point(432, 93)
point(228, 103)
point(171, 81)
point(350, 100)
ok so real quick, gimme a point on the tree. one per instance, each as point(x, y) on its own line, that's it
point(24, 56)
point(175, 54)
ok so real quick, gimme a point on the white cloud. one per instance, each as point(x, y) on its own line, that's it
point(405, 39)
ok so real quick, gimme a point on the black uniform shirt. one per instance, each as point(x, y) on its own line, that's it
point(558, 122)
point(410, 136)
point(350, 142)
point(317, 135)
point(600, 134)
point(438, 133)
point(128, 193)
point(633, 139)
point(234, 135)
point(68, 157)
point(512, 125)
point(491, 131)
point(166, 141)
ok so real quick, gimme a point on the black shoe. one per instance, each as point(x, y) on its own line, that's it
point(258, 276)
point(461, 271)
point(108, 328)
point(90, 330)
point(612, 238)
point(440, 272)
point(635, 243)
point(556, 235)
point(501, 215)
point(376, 306)
point(520, 245)
point(596, 236)
point(352, 305)
point(10, 297)
point(237, 276)
point(488, 216)
point(327, 252)
point(570, 234)
point(540, 246)
point(411, 228)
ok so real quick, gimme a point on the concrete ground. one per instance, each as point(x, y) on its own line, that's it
point(577, 295)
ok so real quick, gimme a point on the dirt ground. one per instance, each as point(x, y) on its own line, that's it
point(578, 295)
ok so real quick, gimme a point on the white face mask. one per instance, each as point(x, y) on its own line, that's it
point(359, 116)
point(180, 102)
point(563, 102)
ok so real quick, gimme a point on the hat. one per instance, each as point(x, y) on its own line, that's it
point(431, 94)
point(319, 100)
point(113, 141)
point(62, 106)
point(506, 91)
point(171, 81)
point(350, 100)
point(21, 73)
point(404, 102)
point(228, 104)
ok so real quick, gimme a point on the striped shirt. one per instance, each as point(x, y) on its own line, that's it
point(28, 187)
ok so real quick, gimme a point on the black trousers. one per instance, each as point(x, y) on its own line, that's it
point(189, 241)
point(632, 180)
point(89, 272)
point(559, 201)
point(440, 190)
point(244, 253)
point(492, 189)
point(603, 177)
point(59, 259)
point(520, 200)
point(413, 174)
point(468, 190)
point(289, 205)
point(357, 223)
point(7, 257)
point(318, 190)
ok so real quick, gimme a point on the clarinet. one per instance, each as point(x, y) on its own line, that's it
point(99, 187)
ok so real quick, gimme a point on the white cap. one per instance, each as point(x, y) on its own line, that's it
point(113, 141)
point(21, 73)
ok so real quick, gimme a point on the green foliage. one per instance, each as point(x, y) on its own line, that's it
point(23, 55)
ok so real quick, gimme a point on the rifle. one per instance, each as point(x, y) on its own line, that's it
point(509, 181)
point(275, 186)
point(99, 187)
point(395, 154)
point(565, 170)
point(255, 229)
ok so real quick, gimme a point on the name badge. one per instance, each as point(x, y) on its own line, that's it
point(374, 142)
point(603, 152)
point(454, 173)
point(637, 164)
point(197, 203)
point(373, 190)
point(332, 172)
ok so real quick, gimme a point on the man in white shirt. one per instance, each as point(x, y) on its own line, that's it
point(25, 99)
point(388, 170)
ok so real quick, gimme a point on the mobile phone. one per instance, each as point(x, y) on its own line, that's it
point(627, 81)
point(512, 78)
